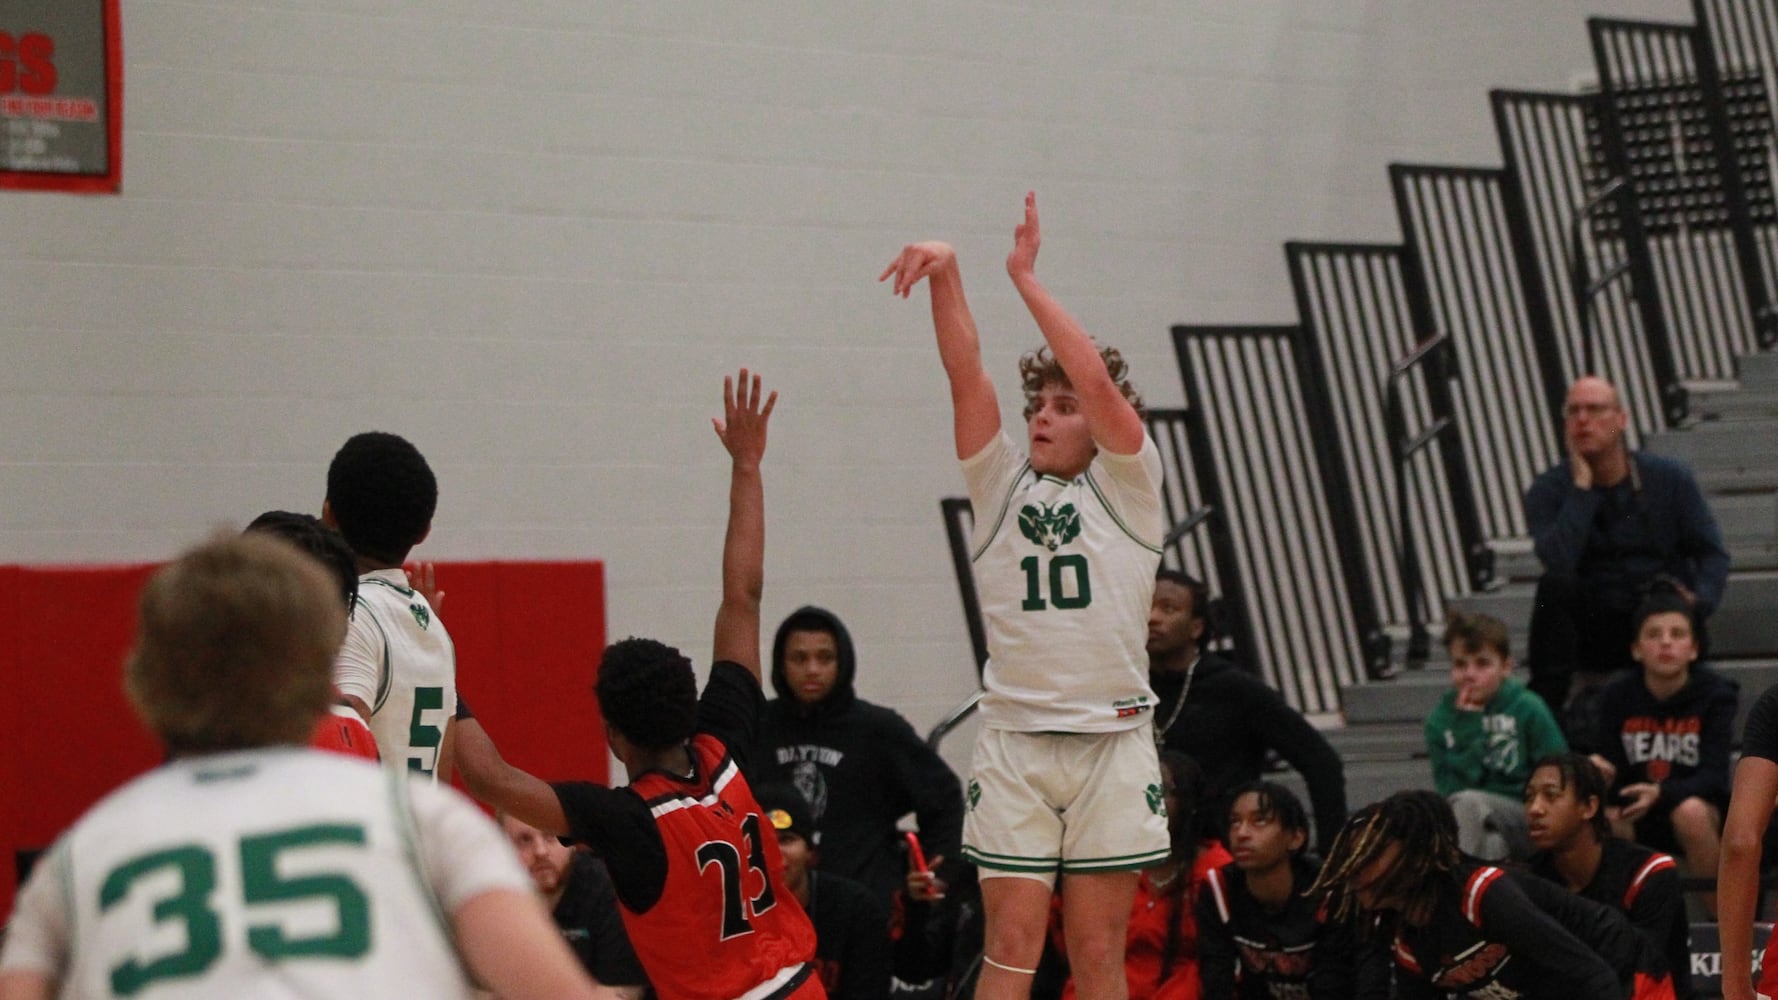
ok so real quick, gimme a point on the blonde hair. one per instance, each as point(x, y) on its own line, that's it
point(235, 644)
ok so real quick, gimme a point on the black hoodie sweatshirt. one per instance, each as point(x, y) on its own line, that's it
point(1230, 719)
point(1681, 744)
point(861, 766)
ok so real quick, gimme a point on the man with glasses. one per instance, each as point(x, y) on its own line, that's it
point(1608, 523)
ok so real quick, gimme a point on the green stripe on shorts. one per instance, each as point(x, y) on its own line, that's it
point(1120, 863)
point(1010, 862)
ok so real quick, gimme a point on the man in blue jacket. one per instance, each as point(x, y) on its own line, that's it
point(1608, 522)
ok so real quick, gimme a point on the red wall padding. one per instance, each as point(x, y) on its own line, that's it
point(528, 640)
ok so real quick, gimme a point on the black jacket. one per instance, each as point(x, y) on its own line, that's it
point(1681, 744)
point(860, 766)
point(1230, 719)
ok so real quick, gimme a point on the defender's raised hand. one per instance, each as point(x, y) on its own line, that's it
point(1025, 240)
point(745, 411)
point(916, 261)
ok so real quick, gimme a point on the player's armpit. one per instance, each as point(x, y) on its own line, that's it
point(509, 943)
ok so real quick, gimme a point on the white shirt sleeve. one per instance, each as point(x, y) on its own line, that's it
point(358, 669)
point(37, 935)
point(990, 475)
point(462, 853)
point(1133, 488)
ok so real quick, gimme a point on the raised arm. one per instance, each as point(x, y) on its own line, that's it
point(975, 411)
point(1115, 424)
point(742, 430)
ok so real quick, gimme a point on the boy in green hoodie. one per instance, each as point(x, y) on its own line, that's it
point(1483, 737)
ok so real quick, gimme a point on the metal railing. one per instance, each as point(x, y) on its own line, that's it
point(1552, 172)
point(1433, 351)
point(1285, 511)
point(1467, 237)
point(1663, 128)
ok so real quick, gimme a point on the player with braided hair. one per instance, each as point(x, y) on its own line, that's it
point(1461, 929)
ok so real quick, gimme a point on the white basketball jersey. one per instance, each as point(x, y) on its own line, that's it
point(264, 873)
point(399, 660)
point(1065, 572)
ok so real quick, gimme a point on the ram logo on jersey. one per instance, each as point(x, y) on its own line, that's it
point(1049, 526)
point(422, 614)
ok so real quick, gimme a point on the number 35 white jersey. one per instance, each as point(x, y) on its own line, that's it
point(263, 873)
point(399, 660)
point(1065, 572)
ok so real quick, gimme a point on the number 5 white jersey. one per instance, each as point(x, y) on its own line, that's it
point(1065, 572)
point(263, 873)
point(399, 660)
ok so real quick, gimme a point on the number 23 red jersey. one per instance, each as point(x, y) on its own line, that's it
point(725, 925)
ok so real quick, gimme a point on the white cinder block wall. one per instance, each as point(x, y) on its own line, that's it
point(532, 236)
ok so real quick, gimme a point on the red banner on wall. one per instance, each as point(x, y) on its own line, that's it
point(528, 637)
point(61, 95)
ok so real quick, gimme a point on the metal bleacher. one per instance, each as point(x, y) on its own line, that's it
point(1630, 232)
point(1342, 480)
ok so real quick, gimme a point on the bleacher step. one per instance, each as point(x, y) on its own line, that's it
point(1758, 371)
point(1749, 524)
point(1743, 626)
point(1408, 698)
point(1733, 405)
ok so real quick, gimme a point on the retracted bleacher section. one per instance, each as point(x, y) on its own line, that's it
point(1343, 480)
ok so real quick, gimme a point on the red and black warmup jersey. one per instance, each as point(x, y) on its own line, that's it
point(1643, 885)
point(1496, 937)
point(697, 872)
point(725, 923)
point(1293, 953)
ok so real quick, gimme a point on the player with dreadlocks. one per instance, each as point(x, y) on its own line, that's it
point(1464, 929)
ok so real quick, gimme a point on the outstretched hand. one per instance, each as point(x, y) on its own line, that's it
point(1025, 240)
point(916, 261)
point(745, 411)
point(423, 577)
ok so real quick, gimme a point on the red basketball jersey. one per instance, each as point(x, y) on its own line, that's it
point(725, 925)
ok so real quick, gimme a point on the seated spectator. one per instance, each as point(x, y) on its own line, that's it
point(583, 903)
point(1161, 946)
point(1606, 522)
point(1225, 718)
point(1482, 738)
point(1565, 809)
point(1260, 936)
point(1665, 734)
point(852, 950)
point(1458, 929)
point(860, 766)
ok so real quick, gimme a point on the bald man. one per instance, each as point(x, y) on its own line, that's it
point(1609, 524)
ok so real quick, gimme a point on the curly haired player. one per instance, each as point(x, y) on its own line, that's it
point(1064, 776)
